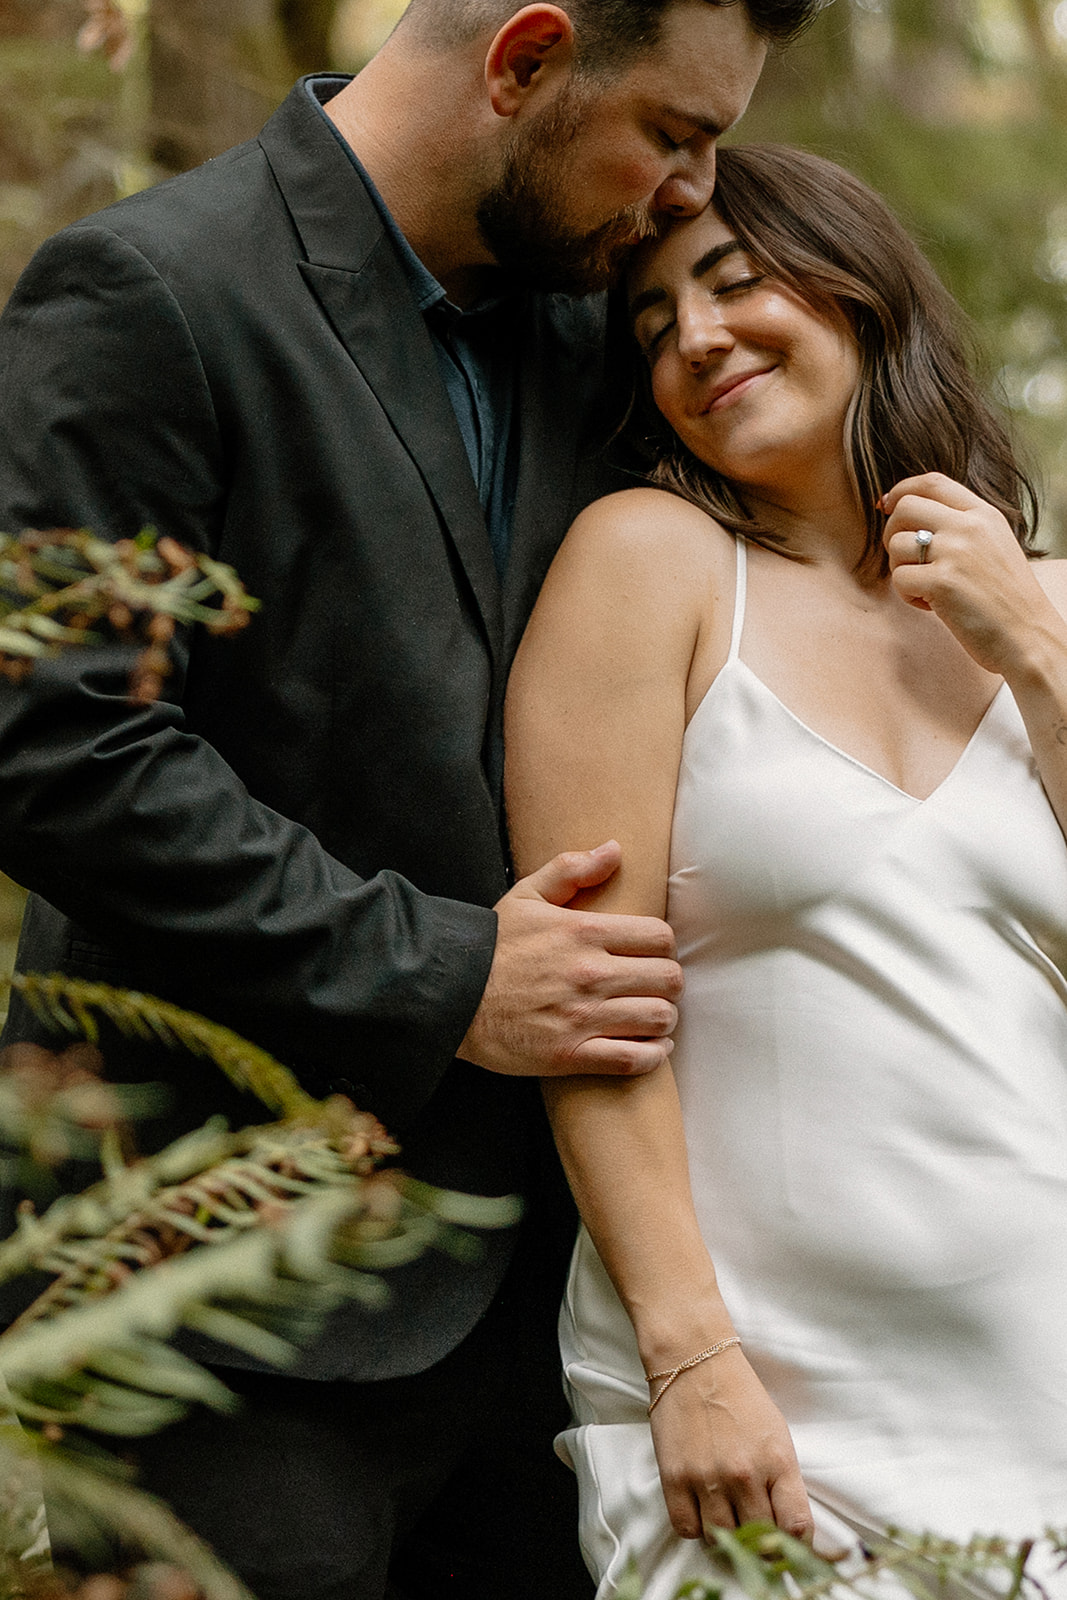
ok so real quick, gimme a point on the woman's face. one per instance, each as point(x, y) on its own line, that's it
point(752, 379)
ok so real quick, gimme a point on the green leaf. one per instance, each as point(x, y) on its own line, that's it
point(161, 1369)
point(737, 1554)
point(630, 1586)
point(228, 1328)
point(468, 1210)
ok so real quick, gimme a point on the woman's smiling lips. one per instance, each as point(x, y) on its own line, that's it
point(730, 388)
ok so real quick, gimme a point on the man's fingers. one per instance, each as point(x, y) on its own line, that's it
point(632, 1017)
point(606, 976)
point(572, 991)
point(622, 935)
point(560, 879)
point(621, 1058)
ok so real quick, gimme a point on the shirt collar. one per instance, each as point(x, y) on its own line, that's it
point(424, 286)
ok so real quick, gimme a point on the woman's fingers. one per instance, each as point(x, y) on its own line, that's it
point(790, 1507)
point(749, 1500)
point(689, 1515)
point(740, 1498)
point(693, 1510)
point(931, 486)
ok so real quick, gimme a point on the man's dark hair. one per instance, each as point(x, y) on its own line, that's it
point(609, 34)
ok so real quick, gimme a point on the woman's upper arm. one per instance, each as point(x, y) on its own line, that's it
point(596, 702)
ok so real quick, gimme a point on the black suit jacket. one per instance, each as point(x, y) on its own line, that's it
point(303, 838)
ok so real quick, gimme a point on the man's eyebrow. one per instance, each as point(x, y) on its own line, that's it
point(711, 258)
point(709, 125)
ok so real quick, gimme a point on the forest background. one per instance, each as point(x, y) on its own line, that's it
point(956, 110)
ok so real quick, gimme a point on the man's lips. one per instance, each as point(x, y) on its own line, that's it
point(727, 387)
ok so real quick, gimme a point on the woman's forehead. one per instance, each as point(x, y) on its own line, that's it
point(675, 252)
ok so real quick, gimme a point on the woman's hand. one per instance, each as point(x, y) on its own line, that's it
point(724, 1452)
point(975, 577)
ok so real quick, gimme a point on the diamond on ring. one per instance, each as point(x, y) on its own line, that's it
point(924, 539)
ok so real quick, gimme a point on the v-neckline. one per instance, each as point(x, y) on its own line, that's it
point(828, 744)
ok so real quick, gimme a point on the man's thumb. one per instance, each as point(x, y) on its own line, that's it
point(560, 879)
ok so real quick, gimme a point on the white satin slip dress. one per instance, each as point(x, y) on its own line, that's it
point(872, 1063)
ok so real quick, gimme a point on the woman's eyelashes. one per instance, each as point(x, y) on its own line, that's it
point(650, 336)
point(748, 281)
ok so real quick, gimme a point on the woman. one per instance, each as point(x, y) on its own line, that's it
point(817, 689)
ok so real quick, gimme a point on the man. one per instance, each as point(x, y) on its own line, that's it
point(342, 358)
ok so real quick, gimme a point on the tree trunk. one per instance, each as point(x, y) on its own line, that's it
point(306, 25)
point(39, 19)
point(216, 72)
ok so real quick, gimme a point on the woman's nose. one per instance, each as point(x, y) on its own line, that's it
point(702, 333)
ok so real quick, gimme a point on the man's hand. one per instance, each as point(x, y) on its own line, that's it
point(574, 991)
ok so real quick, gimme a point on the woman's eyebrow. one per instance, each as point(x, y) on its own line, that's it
point(711, 258)
point(714, 256)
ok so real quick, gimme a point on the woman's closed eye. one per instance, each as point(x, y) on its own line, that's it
point(735, 285)
point(650, 335)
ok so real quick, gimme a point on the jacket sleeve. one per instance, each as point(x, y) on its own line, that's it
point(121, 817)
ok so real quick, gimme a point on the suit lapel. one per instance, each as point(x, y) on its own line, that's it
point(352, 269)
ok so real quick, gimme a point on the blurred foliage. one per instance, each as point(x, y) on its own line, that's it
point(250, 1238)
point(66, 587)
point(767, 1564)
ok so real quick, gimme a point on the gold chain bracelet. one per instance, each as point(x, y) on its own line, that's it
point(694, 1361)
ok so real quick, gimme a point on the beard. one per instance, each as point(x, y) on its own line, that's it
point(523, 220)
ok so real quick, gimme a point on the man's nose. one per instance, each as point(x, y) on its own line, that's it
point(686, 192)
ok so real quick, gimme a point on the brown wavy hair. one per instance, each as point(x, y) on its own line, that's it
point(917, 407)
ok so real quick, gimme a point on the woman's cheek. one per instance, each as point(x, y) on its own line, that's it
point(665, 394)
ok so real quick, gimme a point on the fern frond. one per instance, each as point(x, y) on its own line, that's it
point(69, 574)
point(253, 1250)
point(69, 1005)
point(137, 1517)
point(104, 1205)
point(258, 1177)
point(104, 1363)
point(25, 1548)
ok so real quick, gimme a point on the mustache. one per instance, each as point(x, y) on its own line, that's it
point(608, 248)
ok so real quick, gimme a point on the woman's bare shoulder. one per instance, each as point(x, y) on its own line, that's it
point(646, 531)
point(630, 586)
point(649, 513)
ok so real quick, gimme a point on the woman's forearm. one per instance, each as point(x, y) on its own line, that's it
point(623, 1146)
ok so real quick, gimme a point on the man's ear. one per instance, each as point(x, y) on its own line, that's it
point(534, 45)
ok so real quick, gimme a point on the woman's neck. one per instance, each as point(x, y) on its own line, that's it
point(829, 532)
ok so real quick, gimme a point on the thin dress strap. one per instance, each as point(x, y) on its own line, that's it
point(740, 592)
